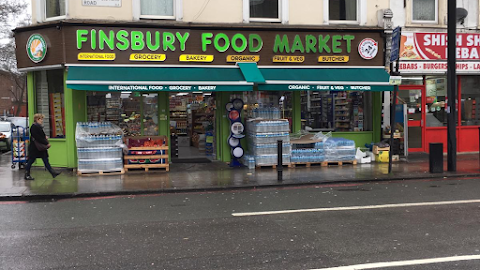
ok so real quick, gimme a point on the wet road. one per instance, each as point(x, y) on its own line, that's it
point(380, 222)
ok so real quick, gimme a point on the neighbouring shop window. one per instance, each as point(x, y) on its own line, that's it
point(424, 10)
point(54, 8)
point(340, 111)
point(157, 9)
point(265, 9)
point(50, 101)
point(470, 100)
point(342, 10)
point(436, 101)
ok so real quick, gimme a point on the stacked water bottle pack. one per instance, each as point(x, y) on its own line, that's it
point(339, 149)
point(263, 137)
point(99, 147)
point(310, 149)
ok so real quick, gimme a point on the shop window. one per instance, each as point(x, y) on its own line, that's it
point(135, 113)
point(424, 11)
point(157, 9)
point(336, 111)
point(436, 101)
point(150, 115)
point(54, 9)
point(265, 10)
point(470, 100)
point(412, 80)
point(342, 10)
point(50, 101)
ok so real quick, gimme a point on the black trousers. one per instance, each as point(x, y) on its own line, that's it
point(45, 161)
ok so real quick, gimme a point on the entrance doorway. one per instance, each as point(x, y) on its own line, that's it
point(413, 96)
point(192, 126)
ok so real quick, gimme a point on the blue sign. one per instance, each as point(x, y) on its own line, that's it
point(395, 49)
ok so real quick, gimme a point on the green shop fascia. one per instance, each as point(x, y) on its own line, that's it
point(64, 60)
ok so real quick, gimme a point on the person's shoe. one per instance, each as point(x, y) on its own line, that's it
point(55, 174)
point(28, 177)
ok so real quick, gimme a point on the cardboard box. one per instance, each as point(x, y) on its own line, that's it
point(377, 150)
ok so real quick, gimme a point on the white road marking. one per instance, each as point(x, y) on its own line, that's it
point(404, 263)
point(348, 208)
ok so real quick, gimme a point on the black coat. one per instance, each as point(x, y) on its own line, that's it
point(37, 134)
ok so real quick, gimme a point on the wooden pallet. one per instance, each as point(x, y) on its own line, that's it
point(338, 163)
point(273, 166)
point(97, 173)
point(146, 167)
point(307, 164)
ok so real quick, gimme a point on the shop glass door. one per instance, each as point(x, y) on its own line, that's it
point(413, 97)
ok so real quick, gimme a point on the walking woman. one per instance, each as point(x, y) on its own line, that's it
point(38, 147)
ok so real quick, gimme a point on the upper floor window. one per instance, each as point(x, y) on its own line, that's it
point(157, 9)
point(265, 10)
point(55, 9)
point(424, 11)
point(342, 10)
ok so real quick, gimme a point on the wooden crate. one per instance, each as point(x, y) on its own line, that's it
point(146, 167)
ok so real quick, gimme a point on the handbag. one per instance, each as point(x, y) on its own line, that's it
point(40, 146)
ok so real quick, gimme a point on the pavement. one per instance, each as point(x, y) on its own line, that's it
point(190, 177)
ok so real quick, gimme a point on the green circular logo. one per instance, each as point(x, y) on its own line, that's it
point(36, 48)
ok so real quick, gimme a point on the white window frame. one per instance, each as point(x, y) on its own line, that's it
point(43, 8)
point(361, 14)
point(283, 15)
point(177, 12)
point(422, 21)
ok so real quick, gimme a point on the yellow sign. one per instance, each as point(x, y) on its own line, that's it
point(97, 56)
point(151, 57)
point(334, 59)
point(196, 58)
point(243, 58)
point(288, 59)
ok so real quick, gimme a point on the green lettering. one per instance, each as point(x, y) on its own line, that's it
point(349, 39)
point(122, 39)
point(217, 45)
point(183, 40)
point(104, 39)
point(336, 44)
point(322, 44)
point(243, 39)
point(297, 45)
point(138, 42)
point(153, 42)
point(168, 40)
point(310, 43)
point(252, 38)
point(81, 38)
point(93, 36)
point(206, 40)
point(281, 44)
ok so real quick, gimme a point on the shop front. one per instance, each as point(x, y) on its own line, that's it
point(177, 81)
point(424, 89)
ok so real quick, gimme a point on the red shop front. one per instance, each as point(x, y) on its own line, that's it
point(424, 89)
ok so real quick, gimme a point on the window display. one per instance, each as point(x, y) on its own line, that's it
point(50, 101)
point(436, 100)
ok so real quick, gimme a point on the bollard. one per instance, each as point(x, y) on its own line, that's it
point(436, 157)
point(280, 160)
